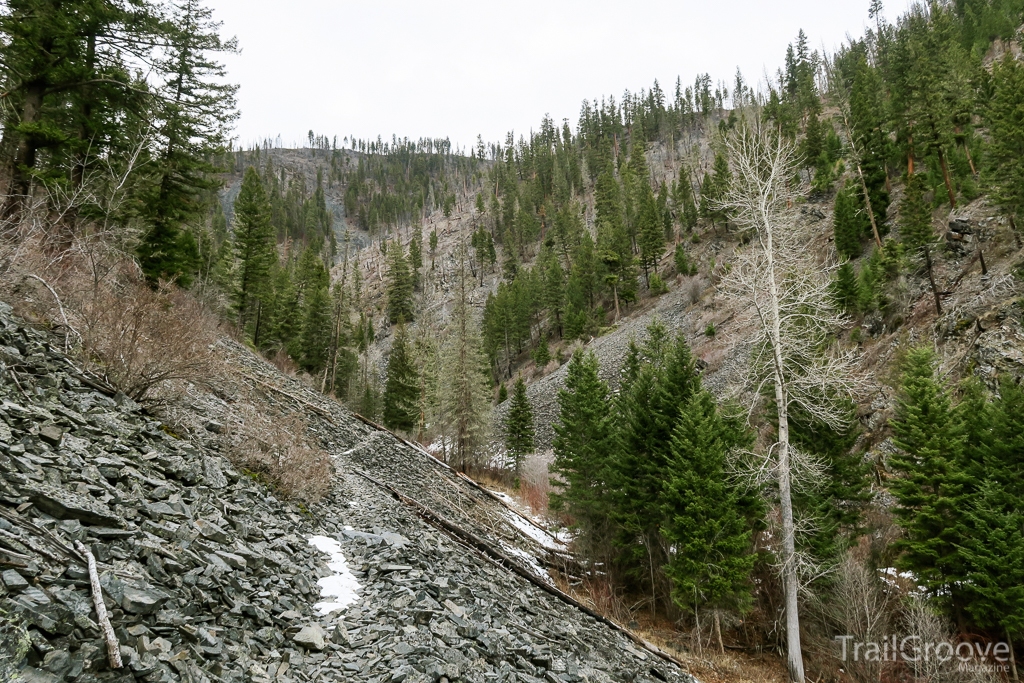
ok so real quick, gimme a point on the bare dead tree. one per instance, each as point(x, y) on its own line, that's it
point(786, 296)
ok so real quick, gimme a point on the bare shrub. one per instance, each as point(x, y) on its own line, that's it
point(144, 341)
point(921, 620)
point(694, 288)
point(857, 605)
point(277, 450)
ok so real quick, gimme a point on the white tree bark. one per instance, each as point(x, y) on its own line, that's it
point(786, 299)
point(113, 647)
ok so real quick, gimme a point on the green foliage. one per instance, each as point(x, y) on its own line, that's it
point(845, 288)
point(849, 222)
point(916, 228)
point(1005, 117)
point(401, 390)
point(711, 563)
point(519, 426)
point(400, 287)
point(254, 248)
point(542, 355)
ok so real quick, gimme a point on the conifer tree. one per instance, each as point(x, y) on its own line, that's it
point(400, 286)
point(554, 292)
point(317, 322)
point(1005, 117)
point(845, 288)
point(519, 426)
point(467, 392)
point(682, 198)
point(193, 123)
point(254, 250)
point(847, 223)
point(933, 482)
point(650, 232)
point(712, 559)
point(401, 390)
point(583, 444)
point(415, 259)
point(917, 231)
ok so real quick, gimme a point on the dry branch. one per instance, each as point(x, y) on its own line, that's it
point(113, 648)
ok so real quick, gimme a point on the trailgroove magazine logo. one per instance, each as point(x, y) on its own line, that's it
point(993, 657)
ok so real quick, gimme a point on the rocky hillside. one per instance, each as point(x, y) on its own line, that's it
point(207, 576)
point(981, 330)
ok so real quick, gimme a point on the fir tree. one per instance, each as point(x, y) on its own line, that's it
point(847, 223)
point(916, 229)
point(931, 487)
point(401, 390)
point(1005, 116)
point(400, 286)
point(317, 321)
point(519, 426)
point(712, 559)
point(254, 250)
point(845, 288)
point(583, 444)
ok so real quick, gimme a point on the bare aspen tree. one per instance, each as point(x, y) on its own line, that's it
point(786, 297)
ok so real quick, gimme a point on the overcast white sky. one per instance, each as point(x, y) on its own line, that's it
point(456, 68)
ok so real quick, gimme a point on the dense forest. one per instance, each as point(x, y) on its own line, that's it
point(565, 233)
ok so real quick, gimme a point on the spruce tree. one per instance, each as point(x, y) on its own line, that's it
point(845, 288)
point(1005, 116)
point(400, 286)
point(519, 426)
point(401, 389)
point(932, 485)
point(847, 223)
point(916, 229)
point(712, 557)
point(583, 445)
point(254, 250)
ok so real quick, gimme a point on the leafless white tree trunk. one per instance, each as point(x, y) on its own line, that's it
point(786, 296)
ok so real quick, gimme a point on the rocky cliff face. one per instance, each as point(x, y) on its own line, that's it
point(209, 577)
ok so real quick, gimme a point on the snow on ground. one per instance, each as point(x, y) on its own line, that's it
point(529, 527)
point(529, 560)
point(341, 588)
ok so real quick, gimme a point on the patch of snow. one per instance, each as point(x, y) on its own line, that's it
point(531, 562)
point(534, 532)
point(342, 587)
point(528, 526)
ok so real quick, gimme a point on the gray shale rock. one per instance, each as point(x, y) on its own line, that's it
point(209, 578)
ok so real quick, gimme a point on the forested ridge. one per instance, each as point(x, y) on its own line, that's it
point(835, 423)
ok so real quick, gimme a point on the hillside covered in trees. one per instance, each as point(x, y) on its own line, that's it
point(757, 348)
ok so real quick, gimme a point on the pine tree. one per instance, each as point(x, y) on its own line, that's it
point(917, 231)
point(542, 354)
point(554, 291)
point(400, 286)
point(317, 321)
point(401, 390)
point(415, 259)
point(467, 391)
point(682, 199)
point(254, 250)
point(650, 233)
point(194, 120)
point(712, 557)
point(519, 426)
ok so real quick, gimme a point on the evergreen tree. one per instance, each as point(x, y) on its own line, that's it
point(519, 426)
point(712, 558)
point(845, 288)
point(193, 124)
point(847, 223)
point(315, 339)
point(415, 259)
point(400, 286)
point(916, 229)
point(650, 232)
point(401, 390)
point(554, 291)
point(932, 487)
point(467, 394)
point(542, 355)
point(1005, 118)
point(583, 444)
point(682, 199)
point(254, 250)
